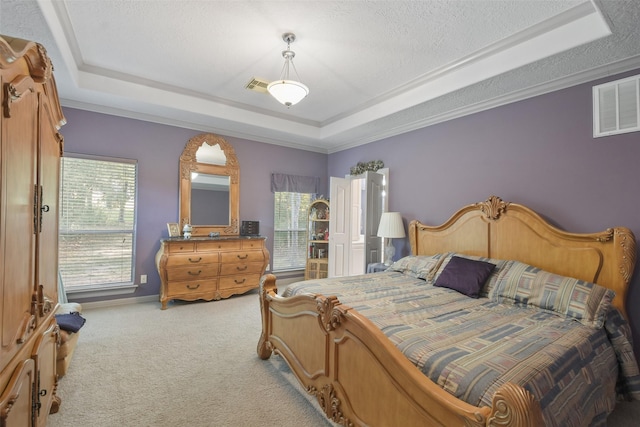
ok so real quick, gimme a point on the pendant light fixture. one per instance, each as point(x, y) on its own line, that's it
point(288, 92)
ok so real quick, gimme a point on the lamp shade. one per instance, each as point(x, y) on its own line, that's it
point(288, 92)
point(391, 225)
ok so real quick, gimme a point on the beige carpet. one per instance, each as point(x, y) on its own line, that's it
point(194, 365)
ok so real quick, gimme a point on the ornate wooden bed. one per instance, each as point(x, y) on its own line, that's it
point(358, 375)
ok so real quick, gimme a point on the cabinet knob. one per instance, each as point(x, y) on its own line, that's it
point(45, 208)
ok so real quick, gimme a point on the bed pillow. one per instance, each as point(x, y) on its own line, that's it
point(573, 298)
point(420, 266)
point(500, 264)
point(465, 275)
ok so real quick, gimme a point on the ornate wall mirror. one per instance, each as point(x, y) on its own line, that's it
point(209, 186)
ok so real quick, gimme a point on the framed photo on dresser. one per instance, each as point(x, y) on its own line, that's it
point(174, 230)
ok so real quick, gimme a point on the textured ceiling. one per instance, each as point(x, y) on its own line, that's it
point(374, 68)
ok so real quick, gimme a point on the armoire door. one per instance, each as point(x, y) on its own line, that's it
point(50, 143)
point(18, 204)
point(44, 356)
point(16, 401)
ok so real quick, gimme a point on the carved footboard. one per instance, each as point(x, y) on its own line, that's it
point(360, 378)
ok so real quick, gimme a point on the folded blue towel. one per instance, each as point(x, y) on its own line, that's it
point(71, 322)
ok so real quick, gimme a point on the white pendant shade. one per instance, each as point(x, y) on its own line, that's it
point(285, 91)
point(288, 92)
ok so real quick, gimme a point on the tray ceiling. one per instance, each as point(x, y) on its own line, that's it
point(374, 68)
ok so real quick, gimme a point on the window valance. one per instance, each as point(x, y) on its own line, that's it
point(294, 183)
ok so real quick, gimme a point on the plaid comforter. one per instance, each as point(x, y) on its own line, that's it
point(470, 347)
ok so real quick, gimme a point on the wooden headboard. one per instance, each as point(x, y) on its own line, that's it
point(501, 230)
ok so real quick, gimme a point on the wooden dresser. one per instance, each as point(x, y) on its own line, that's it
point(30, 151)
point(209, 268)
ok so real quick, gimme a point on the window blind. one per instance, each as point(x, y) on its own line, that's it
point(290, 230)
point(97, 221)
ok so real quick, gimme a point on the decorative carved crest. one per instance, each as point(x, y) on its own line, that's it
point(14, 92)
point(188, 157)
point(189, 152)
point(628, 243)
point(513, 405)
point(493, 207)
point(330, 315)
point(330, 404)
point(605, 236)
point(233, 228)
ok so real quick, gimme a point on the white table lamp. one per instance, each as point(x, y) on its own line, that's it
point(390, 226)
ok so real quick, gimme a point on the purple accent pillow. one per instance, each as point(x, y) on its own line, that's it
point(465, 275)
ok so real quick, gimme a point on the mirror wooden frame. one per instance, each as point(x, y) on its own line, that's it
point(189, 164)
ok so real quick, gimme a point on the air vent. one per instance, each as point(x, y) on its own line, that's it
point(616, 107)
point(257, 85)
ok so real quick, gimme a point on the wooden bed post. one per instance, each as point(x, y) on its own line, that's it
point(267, 285)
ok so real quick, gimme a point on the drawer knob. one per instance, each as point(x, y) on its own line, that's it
point(239, 282)
point(195, 260)
point(193, 287)
point(242, 267)
point(245, 256)
point(191, 273)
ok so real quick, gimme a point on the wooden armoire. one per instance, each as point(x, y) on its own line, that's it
point(30, 153)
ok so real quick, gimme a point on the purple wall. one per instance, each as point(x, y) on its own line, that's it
point(157, 149)
point(539, 152)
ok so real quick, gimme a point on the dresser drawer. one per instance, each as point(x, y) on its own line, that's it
point(218, 245)
point(241, 268)
point(193, 287)
point(178, 247)
point(239, 281)
point(192, 259)
point(241, 256)
point(252, 244)
point(209, 268)
point(197, 272)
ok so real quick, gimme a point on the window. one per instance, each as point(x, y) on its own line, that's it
point(292, 197)
point(97, 222)
point(290, 230)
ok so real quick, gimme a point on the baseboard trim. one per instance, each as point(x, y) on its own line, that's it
point(283, 279)
point(120, 301)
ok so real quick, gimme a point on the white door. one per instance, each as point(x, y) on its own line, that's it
point(373, 208)
point(339, 230)
point(356, 208)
